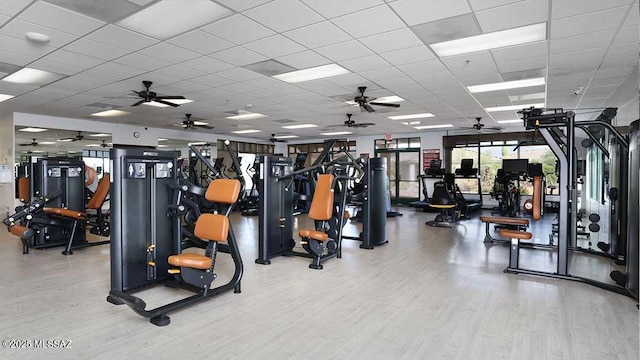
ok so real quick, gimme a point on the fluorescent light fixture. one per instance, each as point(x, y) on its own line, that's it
point(161, 139)
point(245, 115)
point(388, 99)
point(198, 143)
point(171, 17)
point(285, 136)
point(93, 145)
point(506, 85)
point(4, 97)
point(100, 135)
point(110, 113)
point(411, 116)
point(300, 126)
point(494, 40)
point(509, 121)
point(29, 76)
point(175, 101)
point(248, 131)
point(527, 97)
point(314, 73)
point(47, 142)
point(426, 127)
point(32, 129)
point(162, 146)
point(65, 140)
point(411, 123)
point(513, 107)
point(202, 123)
point(337, 133)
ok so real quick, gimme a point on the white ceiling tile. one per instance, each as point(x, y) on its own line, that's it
point(514, 15)
point(460, 61)
point(478, 5)
point(15, 89)
point(4, 19)
point(587, 23)
point(15, 58)
point(318, 35)
point(534, 62)
point(471, 71)
point(238, 56)
point(612, 73)
point(623, 50)
point(200, 42)
point(283, 15)
point(569, 69)
point(240, 88)
point(18, 28)
point(627, 34)
point(264, 82)
point(596, 54)
point(167, 52)
point(344, 51)
point(303, 60)
point(634, 16)
point(242, 5)
point(78, 84)
point(181, 72)
point(436, 79)
point(371, 62)
point(415, 12)
point(55, 17)
point(481, 78)
point(378, 20)
point(207, 64)
point(216, 92)
point(422, 67)
point(333, 8)
point(409, 55)
point(381, 74)
point(23, 47)
point(122, 38)
point(612, 63)
point(66, 62)
point(96, 49)
point(141, 62)
point(228, 29)
point(347, 80)
point(390, 41)
point(397, 82)
point(238, 74)
point(12, 7)
point(582, 41)
point(274, 46)
point(565, 8)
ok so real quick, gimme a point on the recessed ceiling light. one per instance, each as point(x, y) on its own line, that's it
point(527, 97)
point(198, 143)
point(248, 131)
point(29, 76)
point(37, 37)
point(109, 113)
point(285, 136)
point(388, 99)
point(498, 39)
point(171, 17)
point(93, 145)
point(175, 101)
point(411, 123)
point(32, 129)
point(314, 73)
point(337, 133)
point(201, 123)
point(300, 126)
point(411, 116)
point(47, 142)
point(425, 127)
point(246, 115)
point(509, 121)
point(513, 107)
point(162, 146)
point(65, 140)
point(4, 97)
point(100, 135)
point(161, 139)
point(505, 85)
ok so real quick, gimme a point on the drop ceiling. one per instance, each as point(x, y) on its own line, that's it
point(591, 44)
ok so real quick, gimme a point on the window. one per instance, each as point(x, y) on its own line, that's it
point(315, 149)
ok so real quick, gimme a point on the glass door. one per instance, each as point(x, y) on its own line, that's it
point(403, 168)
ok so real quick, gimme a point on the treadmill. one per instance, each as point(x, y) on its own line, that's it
point(467, 171)
point(434, 171)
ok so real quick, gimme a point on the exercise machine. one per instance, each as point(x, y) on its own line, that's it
point(467, 171)
point(435, 171)
point(146, 234)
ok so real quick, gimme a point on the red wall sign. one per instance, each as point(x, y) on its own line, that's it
point(428, 155)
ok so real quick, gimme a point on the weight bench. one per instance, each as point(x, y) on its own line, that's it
point(514, 253)
point(515, 224)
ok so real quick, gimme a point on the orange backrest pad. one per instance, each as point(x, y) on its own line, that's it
point(212, 227)
point(23, 190)
point(322, 203)
point(101, 192)
point(537, 197)
point(223, 191)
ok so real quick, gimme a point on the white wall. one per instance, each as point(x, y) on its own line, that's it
point(6, 158)
point(626, 99)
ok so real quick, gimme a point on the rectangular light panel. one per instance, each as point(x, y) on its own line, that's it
point(513, 107)
point(426, 127)
point(509, 121)
point(505, 85)
point(249, 131)
point(494, 40)
point(285, 136)
point(175, 101)
point(411, 116)
point(527, 97)
point(32, 129)
point(100, 135)
point(300, 126)
point(109, 113)
point(247, 116)
point(171, 17)
point(314, 73)
point(29, 76)
point(337, 133)
point(4, 97)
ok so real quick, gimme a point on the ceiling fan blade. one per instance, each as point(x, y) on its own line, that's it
point(167, 97)
point(138, 103)
point(366, 124)
point(368, 108)
point(158, 100)
point(385, 104)
point(204, 126)
point(359, 125)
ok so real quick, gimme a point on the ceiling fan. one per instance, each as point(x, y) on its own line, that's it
point(34, 143)
point(365, 102)
point(104, 144)
point(275, 139)
point(78, 137)
point(479, 127)
point(149, 96)
point(192, 124)
point(352, 124)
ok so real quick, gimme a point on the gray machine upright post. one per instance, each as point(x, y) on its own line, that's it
point(374, 204)
point(632, 206)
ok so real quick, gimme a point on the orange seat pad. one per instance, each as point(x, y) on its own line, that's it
point(313, 234)
point(190, 260)
point(504, 220)
point(66, 212)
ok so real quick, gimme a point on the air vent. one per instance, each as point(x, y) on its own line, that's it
point(269, 67)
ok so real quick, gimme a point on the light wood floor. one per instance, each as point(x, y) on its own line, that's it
point(431, 293)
